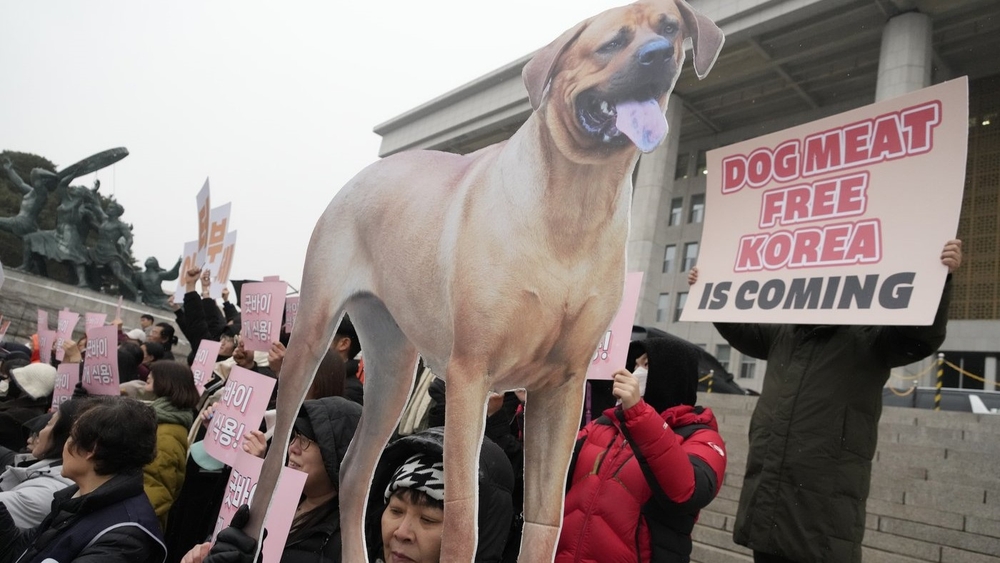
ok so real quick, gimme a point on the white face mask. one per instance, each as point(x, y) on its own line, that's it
point(641, 374)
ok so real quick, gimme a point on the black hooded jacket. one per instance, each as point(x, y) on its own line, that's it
point(496, 481)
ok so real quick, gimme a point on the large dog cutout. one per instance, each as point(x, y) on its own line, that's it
point(501, 268)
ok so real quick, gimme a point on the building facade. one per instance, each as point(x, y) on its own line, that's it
point(785, 63)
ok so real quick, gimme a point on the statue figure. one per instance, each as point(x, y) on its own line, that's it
point(149, 282)
point(79, 211)
point(34, 196)
point(114, 243)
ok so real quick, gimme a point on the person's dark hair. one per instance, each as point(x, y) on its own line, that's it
point(121, 433)
point(155, 350)
point(147, 317)
point(346, 328)
point(167, 332)
point(329, 380)
point(12, 363)
point(69, 411)
point(175, 381)
point(417, 497)
point(129, 358)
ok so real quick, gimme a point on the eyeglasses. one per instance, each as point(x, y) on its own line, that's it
point(303, 442)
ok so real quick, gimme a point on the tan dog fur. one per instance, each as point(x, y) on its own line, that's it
point(501, 268)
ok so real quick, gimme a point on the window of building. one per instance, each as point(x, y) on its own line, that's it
point(676, 211)
point(701, 166)
point(669, 258)
point(747, 367)
point(681, 300)
point(682, 166)
point(662, 306)
point(690, 256)
point(697, 213)
point(723, 353)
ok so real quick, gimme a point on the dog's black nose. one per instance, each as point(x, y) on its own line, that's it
point(657, 51)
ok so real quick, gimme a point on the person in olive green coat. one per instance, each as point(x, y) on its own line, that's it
point(176, 396)
point(814, 431)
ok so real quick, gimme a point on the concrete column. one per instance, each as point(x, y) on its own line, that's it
point(904, 63)
point(654, 182)
point(991, 374)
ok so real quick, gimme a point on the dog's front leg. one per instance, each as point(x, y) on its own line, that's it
point(551, 420)
point(467, 387)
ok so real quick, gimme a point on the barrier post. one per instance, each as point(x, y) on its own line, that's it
point(940, 375)
point(711, 378)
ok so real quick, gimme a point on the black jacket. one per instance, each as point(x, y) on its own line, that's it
point(496, 481)
point(113, 524)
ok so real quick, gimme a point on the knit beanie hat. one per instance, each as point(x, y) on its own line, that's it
point(673, 371)
point(37, 379)
point(421, 472)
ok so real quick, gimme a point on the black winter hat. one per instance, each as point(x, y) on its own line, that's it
point(331, 423)
point(673, 370)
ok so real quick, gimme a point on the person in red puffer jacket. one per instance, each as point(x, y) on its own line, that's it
point(642, 471)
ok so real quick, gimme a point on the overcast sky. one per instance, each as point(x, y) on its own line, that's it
point(273, 101)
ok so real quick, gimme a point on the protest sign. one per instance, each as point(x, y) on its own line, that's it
point(240, 490)
point(204, 202)
point(291, 310)
point(43, 321)
point(189, 261)
point(239, 410)
point(100, 365)
point(91, 320)
point(838, 221)
point(218, 226)
point(261, 307)
point(67, 376)
point(46, 340)
point(65, 325)
point(204, 363)
point(612, 350)
point(220, 271)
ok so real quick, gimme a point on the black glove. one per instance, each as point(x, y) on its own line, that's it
point(79, 391)
point(232, 545)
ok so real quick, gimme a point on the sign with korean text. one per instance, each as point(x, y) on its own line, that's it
point(838, 221)
point(46, 340)
point(240, 490)
point(261, 307)
point(100, 364)
point(220, 271)
point(239, 410)
point(204, 202)
point(189, 261)
point(67, 376)
point(291, 311)
point(43, 321)
point(91, 320)
point(204, 363)
point(218, 226)
point(612, 350)
point(66, 324)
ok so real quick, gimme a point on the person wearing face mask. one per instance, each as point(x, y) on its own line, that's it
point(643, 470)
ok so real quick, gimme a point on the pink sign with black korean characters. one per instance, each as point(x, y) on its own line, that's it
point(43, 320)
point(261, 307)
point(612, 350)
point(291, 311)
point(204, 363)
point(65, 326)
point(240, 490)
point(239, 410)
point(100, 364)
point(93, 320)
point(67, 376)
point(46, 340)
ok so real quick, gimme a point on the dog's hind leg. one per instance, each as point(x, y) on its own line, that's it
point(390, 371)
point(551, 418)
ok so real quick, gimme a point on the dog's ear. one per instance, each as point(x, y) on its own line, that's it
point(537, 73)
point(706, 38)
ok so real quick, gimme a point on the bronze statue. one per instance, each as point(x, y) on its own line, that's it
point(78, 212)
point(114, 244)
point(34, 196)
point(149, 282)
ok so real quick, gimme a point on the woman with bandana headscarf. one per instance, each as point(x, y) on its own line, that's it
point(642, 471)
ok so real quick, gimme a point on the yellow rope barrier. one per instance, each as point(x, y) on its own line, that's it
point(898, 394)
point(706, 378)
point(917, 376)
point(967, 374)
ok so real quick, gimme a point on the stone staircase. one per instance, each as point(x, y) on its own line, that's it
point(935, 494)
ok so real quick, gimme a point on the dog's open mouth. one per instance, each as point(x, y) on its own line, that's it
point(638, 118)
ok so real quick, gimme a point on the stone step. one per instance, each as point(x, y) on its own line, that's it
point(960, 540)
point(952, 438)
point(702, 553)
point(720, 539)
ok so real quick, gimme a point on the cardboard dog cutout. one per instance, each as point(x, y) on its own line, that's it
point(501, 268)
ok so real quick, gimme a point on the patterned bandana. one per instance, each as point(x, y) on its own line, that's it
point(420, 472)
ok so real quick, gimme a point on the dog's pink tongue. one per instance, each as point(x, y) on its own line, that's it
point(643, 122)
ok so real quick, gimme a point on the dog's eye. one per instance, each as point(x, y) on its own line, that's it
point(611, 46)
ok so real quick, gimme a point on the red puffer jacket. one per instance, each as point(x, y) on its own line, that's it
point(637, 482)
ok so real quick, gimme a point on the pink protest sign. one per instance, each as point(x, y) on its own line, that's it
point(204, 215)
point(204, 363)
point(65, 326)
point(240, 490)
point(239, 410)
point(261, 306)
point(612, 350)
point(92, 320)
point(291, 310)
point(838, 221)
point(67, 376)
point(100, 365)
point(271, 278)
point(43, 321)
point(46, 340)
